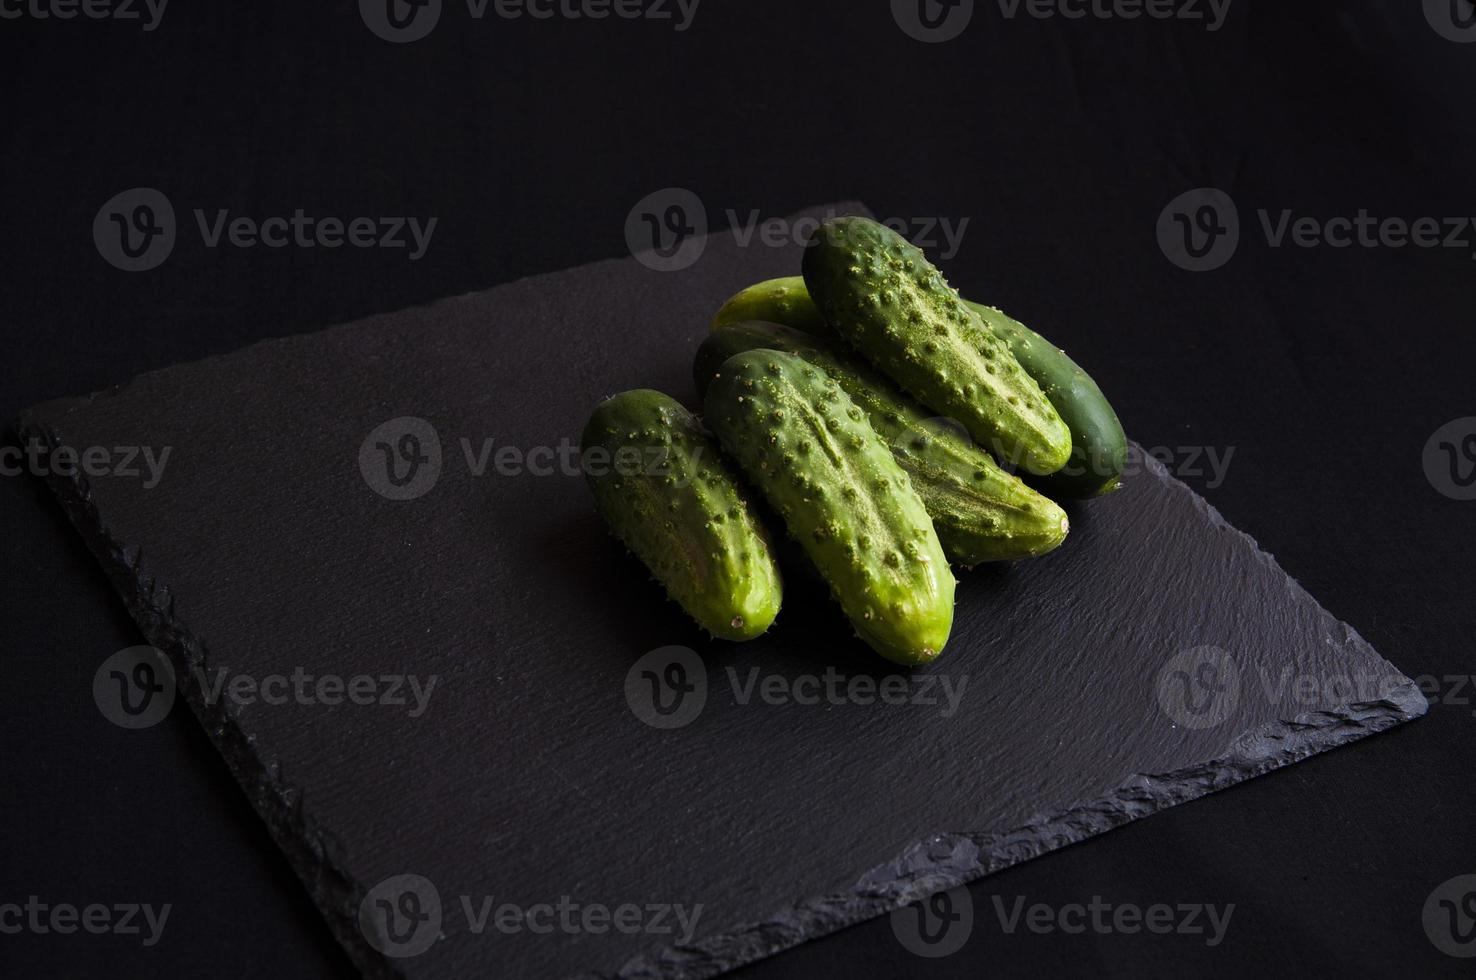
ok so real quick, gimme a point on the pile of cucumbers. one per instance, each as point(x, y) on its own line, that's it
point(871, 407)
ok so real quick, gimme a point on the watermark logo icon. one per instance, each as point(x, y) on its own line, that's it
point(400, 21)
point(933, 21)
point(1200, 229)
point(1450, 917)
point(401, 459)
point(937, 926)
point(667, 230)
point(1199, 688)
point(401, 916)
point(134, 688)
point(1450, 459)
point(135, 230)
point(1454, 20)
point(667, 688)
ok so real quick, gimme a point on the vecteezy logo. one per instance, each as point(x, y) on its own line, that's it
point(134, 688)
point(401, 459)
point(401, 916)
point(937, 926)
point(134, 231)
point(1454, 20)
point(667, 230)
point(933, 21)
point(1198, 688)
point(1450, 917)
point(667, 688)
point(1450, 459)
point(400, 21)
point(1200, 229)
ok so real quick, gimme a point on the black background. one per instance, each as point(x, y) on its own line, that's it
point(1326, 369)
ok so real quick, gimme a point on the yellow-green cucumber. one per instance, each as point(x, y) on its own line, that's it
point(661, 483)
point(813, 454)
point(785, 301)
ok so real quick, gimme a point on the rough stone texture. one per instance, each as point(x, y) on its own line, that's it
point(529, 777)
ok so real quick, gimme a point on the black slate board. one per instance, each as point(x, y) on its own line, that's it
point(529, 776)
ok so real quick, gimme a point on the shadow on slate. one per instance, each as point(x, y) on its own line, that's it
point(1158, 656)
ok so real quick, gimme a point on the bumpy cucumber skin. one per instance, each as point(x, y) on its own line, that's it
point(811, 451)
point(885, 298)
point(981, 513)
point(680, 510)
point(1098, 444)
point(785, 301)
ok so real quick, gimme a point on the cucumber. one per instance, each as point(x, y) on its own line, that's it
point(785, 301)
point(981, 513)
point(660, 483)
point(811, 451)
point(883, 296)
point(1098, 444)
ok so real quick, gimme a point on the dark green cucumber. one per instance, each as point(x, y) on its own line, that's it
point(981, 513)
point(883, 296)
point(811, 451)
point(1098, 444)
point(660, 482)
point(785, 301)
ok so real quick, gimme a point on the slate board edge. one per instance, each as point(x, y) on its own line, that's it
point(934, 864)
point(947, 860)
point(150, 604)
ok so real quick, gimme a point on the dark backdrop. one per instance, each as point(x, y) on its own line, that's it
point(1326, 370)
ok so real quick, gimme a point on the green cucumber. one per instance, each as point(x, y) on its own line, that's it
point(883, 296)
point(783, 301)
point(660, 482)
point(1098, 444)
point(981, 513)
point(811, 451)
